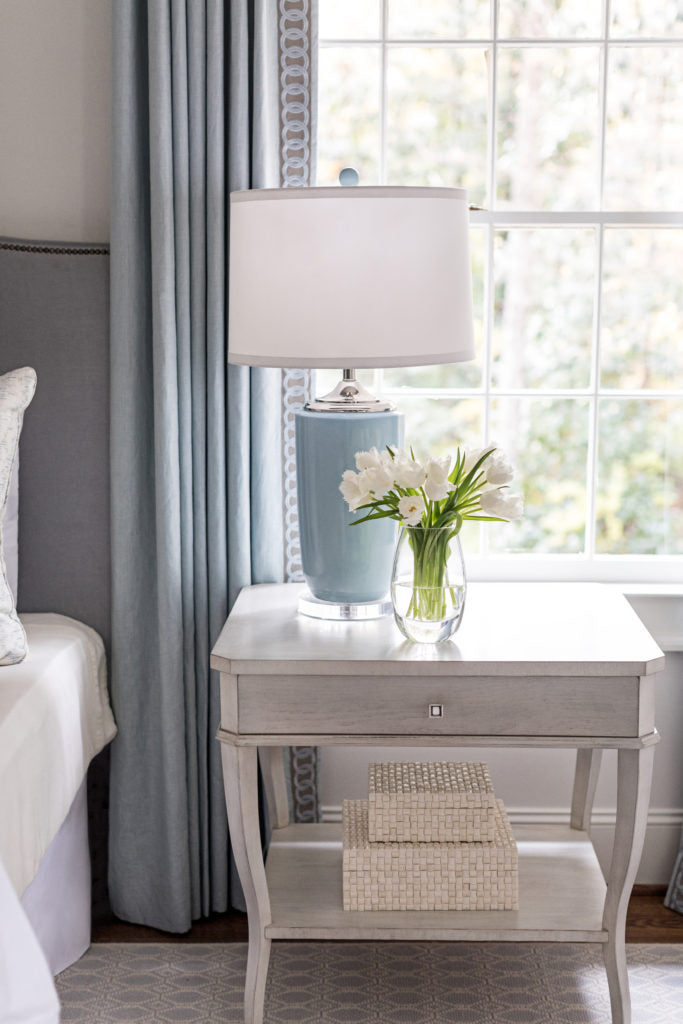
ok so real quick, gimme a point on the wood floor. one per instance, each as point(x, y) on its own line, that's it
point(648, 921)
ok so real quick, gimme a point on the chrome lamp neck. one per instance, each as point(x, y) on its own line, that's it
point(349, 395)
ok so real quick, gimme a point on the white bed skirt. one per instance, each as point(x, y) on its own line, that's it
point(27, 991)
point(57, 902)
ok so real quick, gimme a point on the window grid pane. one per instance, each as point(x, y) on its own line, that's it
point(644, 140)
point(548, 19)
point(435, 134)
point(544, 284)
point(438, 19)
point(548, 128)
point(608, 353)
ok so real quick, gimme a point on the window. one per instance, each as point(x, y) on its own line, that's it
point(562, 119)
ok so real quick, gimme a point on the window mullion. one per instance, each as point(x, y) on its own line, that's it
point(594, 406)
point(492, 141)
point(378, 376)
point(487, 358)
point(383, 94)
point(604, 67)
point(593, 432)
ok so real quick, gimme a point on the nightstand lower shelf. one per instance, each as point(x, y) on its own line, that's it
point(561, 893)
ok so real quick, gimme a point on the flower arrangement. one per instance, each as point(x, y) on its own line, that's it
point(394, 484)
point(431, 499)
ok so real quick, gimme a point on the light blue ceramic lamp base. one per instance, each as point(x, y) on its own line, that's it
point(342, 564)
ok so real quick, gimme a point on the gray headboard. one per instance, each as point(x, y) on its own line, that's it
point(54, 316)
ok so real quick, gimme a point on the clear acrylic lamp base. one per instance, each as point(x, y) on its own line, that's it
point(338, 611)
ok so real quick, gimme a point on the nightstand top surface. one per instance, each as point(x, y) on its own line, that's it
point(586, 629)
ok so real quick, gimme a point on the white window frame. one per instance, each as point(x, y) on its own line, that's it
point(644, 569)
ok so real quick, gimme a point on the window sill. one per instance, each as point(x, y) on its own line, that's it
point(660, 608)
point(658, 604)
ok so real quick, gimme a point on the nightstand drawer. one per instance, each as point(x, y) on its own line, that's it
point(484, 705)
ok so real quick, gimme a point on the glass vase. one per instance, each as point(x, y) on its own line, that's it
point(428, 585)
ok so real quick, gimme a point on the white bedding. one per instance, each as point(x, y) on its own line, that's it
point(54, 718)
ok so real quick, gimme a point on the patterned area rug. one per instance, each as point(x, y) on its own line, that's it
point(369, 983)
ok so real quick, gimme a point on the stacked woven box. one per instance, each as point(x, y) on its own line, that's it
point(430, 836)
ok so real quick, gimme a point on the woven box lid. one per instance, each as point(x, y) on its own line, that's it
point(427, 876)
point(430, 801)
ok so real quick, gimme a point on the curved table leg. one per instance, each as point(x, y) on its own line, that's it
point(272, 764)
point(585, 780)
point(240, 779)
point(633, 794)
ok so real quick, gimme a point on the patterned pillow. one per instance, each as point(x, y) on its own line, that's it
point(16, 391)
point(9, 529)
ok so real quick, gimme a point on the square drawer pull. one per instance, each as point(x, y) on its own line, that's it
point(436, 710)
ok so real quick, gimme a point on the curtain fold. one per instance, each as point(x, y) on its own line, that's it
point(195, 444)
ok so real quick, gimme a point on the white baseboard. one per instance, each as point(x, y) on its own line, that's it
point(661, 839)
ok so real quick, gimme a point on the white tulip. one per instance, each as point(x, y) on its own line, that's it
point(411, 507)
point(407, 472)
point(498, 469)
point(507, 506)
point(354, 491)
point(373, 459)
point(437, 485)
point(378, 479)
point(473, 455)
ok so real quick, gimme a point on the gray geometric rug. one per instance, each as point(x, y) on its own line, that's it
point(369, 983)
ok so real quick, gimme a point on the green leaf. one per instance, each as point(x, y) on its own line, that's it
point(486, 519)
point(467, 482)
point(370, 504)
point(450, 502)
point(468, 504)
point(375, 515)
point(455, 472)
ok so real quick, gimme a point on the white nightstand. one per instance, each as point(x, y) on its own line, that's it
point(533, 665)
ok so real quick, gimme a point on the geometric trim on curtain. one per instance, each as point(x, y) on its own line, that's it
point(298, 59)
point(674, 896)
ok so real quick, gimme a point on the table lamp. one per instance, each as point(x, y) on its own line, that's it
point(348, 278)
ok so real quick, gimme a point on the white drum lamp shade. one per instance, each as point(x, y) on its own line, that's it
point(349, 277)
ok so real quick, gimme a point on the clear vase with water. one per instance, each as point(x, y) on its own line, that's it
point(428, 586)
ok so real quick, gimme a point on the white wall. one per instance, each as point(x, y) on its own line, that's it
point(536, 784)
point(55, 71)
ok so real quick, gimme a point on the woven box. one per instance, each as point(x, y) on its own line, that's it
point(427, 876)
point(430, 801)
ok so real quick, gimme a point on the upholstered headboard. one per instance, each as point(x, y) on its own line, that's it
point(54, 316)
